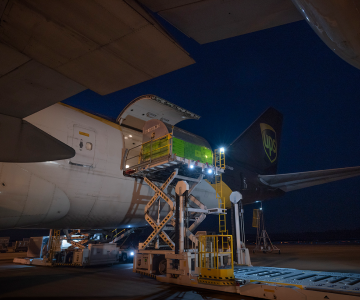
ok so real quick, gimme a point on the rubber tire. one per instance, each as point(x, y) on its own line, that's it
point(156, 263)
point(124, 258)
point(161, 269)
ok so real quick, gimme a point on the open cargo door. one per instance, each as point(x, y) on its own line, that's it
point(142, 109)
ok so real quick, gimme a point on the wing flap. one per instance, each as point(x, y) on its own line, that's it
point(212, 20)
point(295, 181)
point(28, 86)
point(103, 45)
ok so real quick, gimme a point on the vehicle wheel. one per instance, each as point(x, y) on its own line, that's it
point(159, 264)
point(162, 267)
point(124, 257)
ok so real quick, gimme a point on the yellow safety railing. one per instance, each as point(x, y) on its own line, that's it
point(256, 218)
point(117, 233)
point(54, 243)
point(216, 257)
point(219, 157)
point(156, 148)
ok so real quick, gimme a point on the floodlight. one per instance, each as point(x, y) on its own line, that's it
point(210, 171)
point(222, 150)
point(191, 166)
point(131, 253)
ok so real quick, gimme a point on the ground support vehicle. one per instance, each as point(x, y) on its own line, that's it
point(4, 244)
point(206, 261)
point(21, 246)
point(126, 255)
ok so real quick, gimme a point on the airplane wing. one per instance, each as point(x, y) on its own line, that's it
point(51, 50)
point(335, 22)
point(212, 20)
point(295, 181)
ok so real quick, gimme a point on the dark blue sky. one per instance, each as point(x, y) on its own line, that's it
point(235, 80)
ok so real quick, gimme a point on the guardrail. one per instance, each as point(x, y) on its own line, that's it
point(149, 151)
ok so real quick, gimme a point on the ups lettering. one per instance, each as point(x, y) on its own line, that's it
point(269, 144)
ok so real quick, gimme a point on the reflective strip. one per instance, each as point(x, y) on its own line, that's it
point(83, 133)
point(279, 283)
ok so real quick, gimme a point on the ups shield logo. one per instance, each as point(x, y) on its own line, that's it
point(269, 141)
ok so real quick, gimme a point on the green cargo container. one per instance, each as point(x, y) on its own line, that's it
point(183, 143)
point(155, 149)
point(160, 148)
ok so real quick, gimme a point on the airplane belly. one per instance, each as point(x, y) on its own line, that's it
point(27, 199)
point(120, 204)
point(77, 200)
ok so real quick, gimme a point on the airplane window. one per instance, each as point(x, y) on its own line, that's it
point(88, 146)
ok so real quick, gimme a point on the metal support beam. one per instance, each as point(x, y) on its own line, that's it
point(123, 235)
point(242, 253)
point(188, 178)
point(181, 191)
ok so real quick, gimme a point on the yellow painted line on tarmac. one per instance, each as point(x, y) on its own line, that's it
point(279, 283)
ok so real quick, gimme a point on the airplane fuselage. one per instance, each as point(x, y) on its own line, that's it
point(86, 191)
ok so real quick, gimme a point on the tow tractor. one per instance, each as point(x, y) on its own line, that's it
point(76, 248)
point(174, 253)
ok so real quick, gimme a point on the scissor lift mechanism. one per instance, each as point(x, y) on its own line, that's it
point(160, 226)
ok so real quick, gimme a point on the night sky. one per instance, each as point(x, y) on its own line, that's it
point(233, 81)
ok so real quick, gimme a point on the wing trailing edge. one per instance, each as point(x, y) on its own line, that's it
point(24, 143)
point(295, 181)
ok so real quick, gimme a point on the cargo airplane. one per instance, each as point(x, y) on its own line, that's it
point(61, 167)
point(71, 172)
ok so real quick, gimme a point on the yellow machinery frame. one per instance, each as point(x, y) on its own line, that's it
point(158, 228)
point(55, 243)
point(219, 157)
point(216, 259)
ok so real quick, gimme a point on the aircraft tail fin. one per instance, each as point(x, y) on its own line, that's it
point(257, 148)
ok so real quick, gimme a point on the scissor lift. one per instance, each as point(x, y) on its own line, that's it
point(161, 172)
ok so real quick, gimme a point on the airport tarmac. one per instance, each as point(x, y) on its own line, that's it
point(119, 282)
